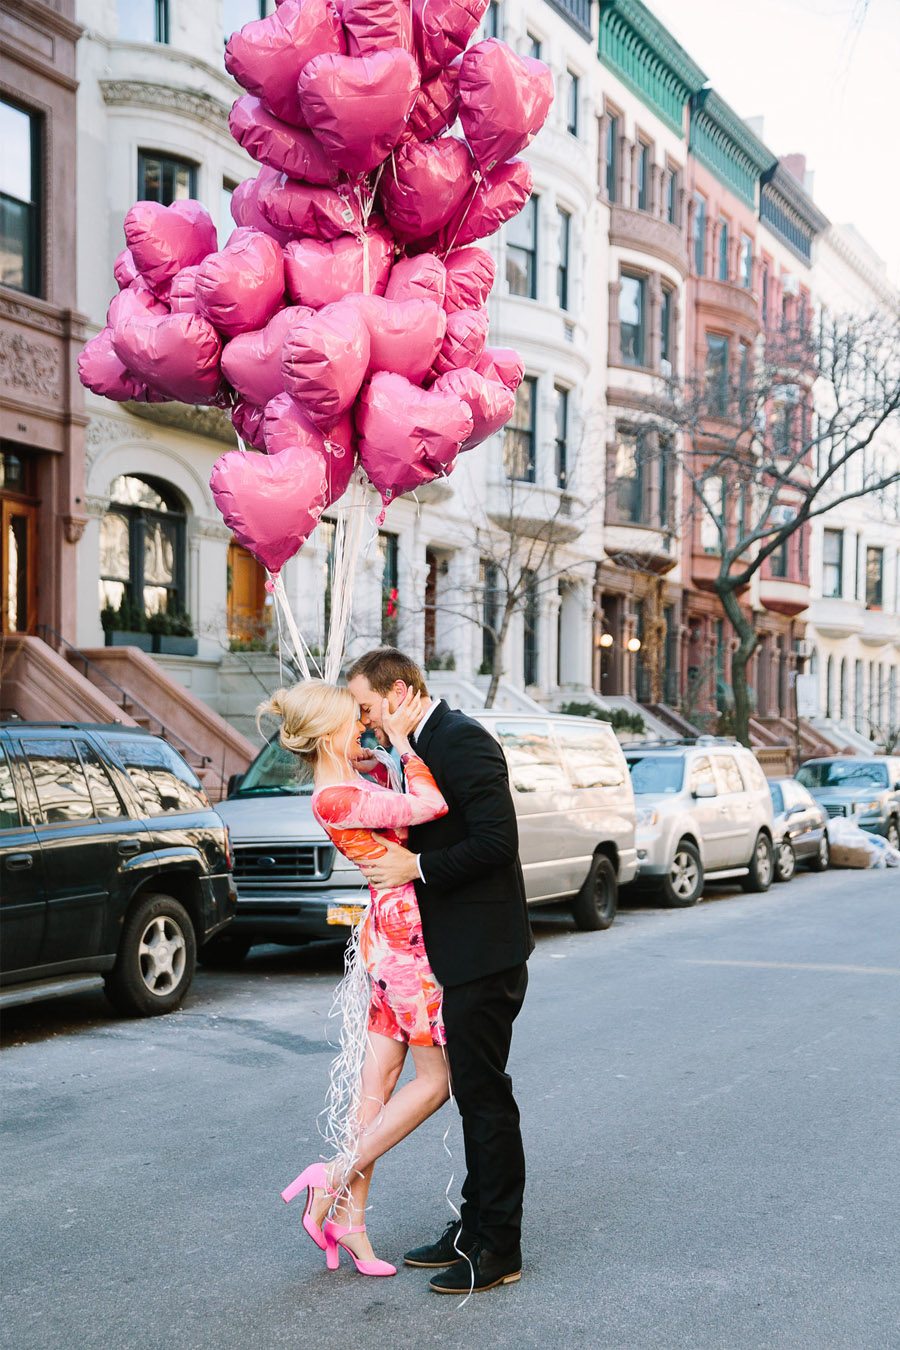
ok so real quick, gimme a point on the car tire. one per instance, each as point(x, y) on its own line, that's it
point(819, 863)
point(892, 833)
point(157, 958)
point(596, 904)
point(683, 886)
point(762, 866)
point(224, 953)
point(785, 860)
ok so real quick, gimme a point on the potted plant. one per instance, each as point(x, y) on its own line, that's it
point(126, 626)
point(173, 633)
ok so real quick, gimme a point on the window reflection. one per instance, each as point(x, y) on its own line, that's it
point(533, 762)
point(164, 781)
point(9, 810)
point(60, 780)
point(591, 757)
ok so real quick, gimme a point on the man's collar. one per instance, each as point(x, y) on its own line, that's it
point(421, 727)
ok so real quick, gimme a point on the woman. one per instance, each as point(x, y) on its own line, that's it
point(320, 723)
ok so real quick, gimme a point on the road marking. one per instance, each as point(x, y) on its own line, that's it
point(800, 965)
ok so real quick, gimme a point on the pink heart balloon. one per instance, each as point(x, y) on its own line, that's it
point(252, 361)
point(317, 212)
point(317, 274)
point(324, 360)
point(175, 354)
point(271, 503)
point(408, 435)
point(504, 100)
point(287, 425)
point(240, 288)
point(134, 301)
point(491, 404)
point(101, 371)
point(500, 197)
point(246, 211)
point(421, 278)
point(426, 185)
point(124, 269)
point(280, 146)
point(405, 335)
point(502, 365)
point(376, 25)
point(267, 56)
point(183, 291)
point(467, 331)
point(247, 420)
point(163, 239)
point(358, 105)
point(442, 29)
point(437, 104)
point(470, 276)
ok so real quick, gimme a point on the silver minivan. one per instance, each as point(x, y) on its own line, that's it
point(576, 815)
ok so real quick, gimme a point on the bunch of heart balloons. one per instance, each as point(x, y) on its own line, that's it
point(343, 322)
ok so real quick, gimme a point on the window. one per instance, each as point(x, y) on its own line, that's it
point(629, 476)
point(874, 578)
point(643, 176)
point(165, 783)
point(745, 262)
point(833, 564)
point(653, 775)
point(631, 319)
point(745, 378)
point(664, 505)
point(562, 435)
point(699, 234)
point(388, 553)
point(574, 92)
point(225, 221)
point(9, 807)
point(518, 439)
point(521, 251)
point(162, 178)
point(728, 774)
point(530, 632)
point(20, 189)
point(712, 515)
point(591, 756)
point(701, 774)
point(666, 345)
point(533, 46)
point(672, 197)
point(60, 780)
point(142, 563)
point(717, 353)
point(492, 23)
point(144, 20)
point(489, 580)
point(612, 156)
point(107, 804)
point(778, 561)
point(235, 13)
point(723, 250)
point(562, 269)
point(764, 294)
point(532, 757)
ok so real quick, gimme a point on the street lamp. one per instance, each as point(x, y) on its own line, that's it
point(633, 644)
point(605, 640)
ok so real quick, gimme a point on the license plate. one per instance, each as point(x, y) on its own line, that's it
point(345, 914)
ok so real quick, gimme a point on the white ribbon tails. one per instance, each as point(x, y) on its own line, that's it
point(303, 657)
point(349, 532)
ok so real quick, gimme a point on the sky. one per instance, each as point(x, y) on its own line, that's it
point(825, 76)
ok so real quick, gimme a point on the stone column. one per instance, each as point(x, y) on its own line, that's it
point(614, 356)
point(654, 289)
point(657, 201)
point(624, 172)
point(602, 134)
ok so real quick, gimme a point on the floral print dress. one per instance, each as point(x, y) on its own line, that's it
point(405, 996)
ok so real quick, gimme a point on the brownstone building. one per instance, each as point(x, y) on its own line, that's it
point(41, 408)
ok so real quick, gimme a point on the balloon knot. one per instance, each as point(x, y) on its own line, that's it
point(270, 586)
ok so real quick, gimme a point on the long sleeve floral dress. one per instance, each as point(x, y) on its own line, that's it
point(405, 1000)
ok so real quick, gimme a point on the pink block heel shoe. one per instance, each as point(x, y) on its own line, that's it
point(313, 1178)
point(334, 1238)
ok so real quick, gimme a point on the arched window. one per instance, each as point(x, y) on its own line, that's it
point(142, 549)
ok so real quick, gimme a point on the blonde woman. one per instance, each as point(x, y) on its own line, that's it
point(320, 723)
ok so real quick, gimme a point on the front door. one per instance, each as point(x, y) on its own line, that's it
point(246, 596)
point(18, 566)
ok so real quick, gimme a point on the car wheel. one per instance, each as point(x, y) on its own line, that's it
point(684, 884)
point(597, 902)
point(762, 866)
point(226, 952)
point(157, 958)
point(893, 833)
point(823, 855)
point(785, 861)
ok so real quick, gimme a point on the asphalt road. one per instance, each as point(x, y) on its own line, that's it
point(711, 1108)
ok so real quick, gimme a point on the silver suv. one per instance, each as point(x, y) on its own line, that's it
point(703, 811)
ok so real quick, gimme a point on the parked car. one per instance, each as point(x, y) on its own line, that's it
point(703, 813)
point(800, 829)
point(114, 867)
point(866, 790)
point(576, 835)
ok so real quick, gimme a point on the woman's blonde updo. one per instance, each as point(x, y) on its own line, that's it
point(308, 712)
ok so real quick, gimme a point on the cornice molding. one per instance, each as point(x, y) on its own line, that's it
point(726, 119)
point(48, 14)
point(210, 423)
point(212, 112)
point(795, 197)
point(838, 240)
point(661, 42)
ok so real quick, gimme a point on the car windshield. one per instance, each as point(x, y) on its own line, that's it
point(275, 772)
point(777, 798)
point(844, 773)
point(656, 773)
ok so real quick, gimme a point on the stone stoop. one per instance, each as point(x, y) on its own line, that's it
point(39, 685)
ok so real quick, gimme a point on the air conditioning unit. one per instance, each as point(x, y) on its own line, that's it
point(790, 284)
point(665, 367)
point(804, 648)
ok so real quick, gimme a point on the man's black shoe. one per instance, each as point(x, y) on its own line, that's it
point(487, 1270)
point(443, 1252)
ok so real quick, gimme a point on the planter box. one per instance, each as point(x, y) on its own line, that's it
point(167, 644)
point(120, 637)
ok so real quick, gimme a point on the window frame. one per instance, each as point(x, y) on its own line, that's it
point(161, 23)
point(666, 319)
point(530, 254)
point(164, 157)
point(561, 436)
point(531, 622)
point(136, 517)
point(673, 187)
point(493, 26)
point(562, 267)
point(641, 328)
point(527, 434)
point(388, 542)
point(722, 259)
point(874, 585)
point(33, 268)
point(745, 262)
point(716, 382)
point(642, 175)
point(613, 126)
point(573, 94)
point(831, 566)
point(698, 242)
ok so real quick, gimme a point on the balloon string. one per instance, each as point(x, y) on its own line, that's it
point(462, 220)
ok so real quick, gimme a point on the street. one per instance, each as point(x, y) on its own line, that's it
point(710, 1103)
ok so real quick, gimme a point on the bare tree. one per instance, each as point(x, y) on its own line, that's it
point(807, 421)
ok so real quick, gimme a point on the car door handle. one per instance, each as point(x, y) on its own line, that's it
point(128, 847)
point(19, 862)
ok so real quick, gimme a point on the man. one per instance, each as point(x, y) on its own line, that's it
point(475, 921)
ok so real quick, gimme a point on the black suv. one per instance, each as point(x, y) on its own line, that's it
point(113, 866)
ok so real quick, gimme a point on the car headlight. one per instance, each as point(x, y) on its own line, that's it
point(866, 808)
point(644, 819)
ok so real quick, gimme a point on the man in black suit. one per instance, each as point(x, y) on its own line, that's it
point(475, 922)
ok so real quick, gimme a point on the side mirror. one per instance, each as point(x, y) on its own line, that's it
point(796, 810)
point(704, 790)
point(234, 782)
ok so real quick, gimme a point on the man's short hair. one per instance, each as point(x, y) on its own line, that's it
point(384, 666)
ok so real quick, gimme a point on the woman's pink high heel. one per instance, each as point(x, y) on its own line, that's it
point(314, 1178)
point(334, 1238)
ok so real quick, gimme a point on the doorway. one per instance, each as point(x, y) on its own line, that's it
point(18, 565)
point(246, 597)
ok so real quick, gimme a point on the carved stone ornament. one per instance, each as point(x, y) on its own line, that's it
point(96, 506)
point(30, 365)
point(166, 98)
point(210, 529)
point(209, 422)
point(20, 311)
point(74, 527)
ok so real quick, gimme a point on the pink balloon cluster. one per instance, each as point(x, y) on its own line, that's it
point(344, 319)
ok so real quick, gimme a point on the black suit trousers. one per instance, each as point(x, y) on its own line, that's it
point(479, 1019)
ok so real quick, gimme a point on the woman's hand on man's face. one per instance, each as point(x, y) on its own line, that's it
point(400, 723)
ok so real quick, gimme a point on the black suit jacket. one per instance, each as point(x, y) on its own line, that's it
point(474, 915)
